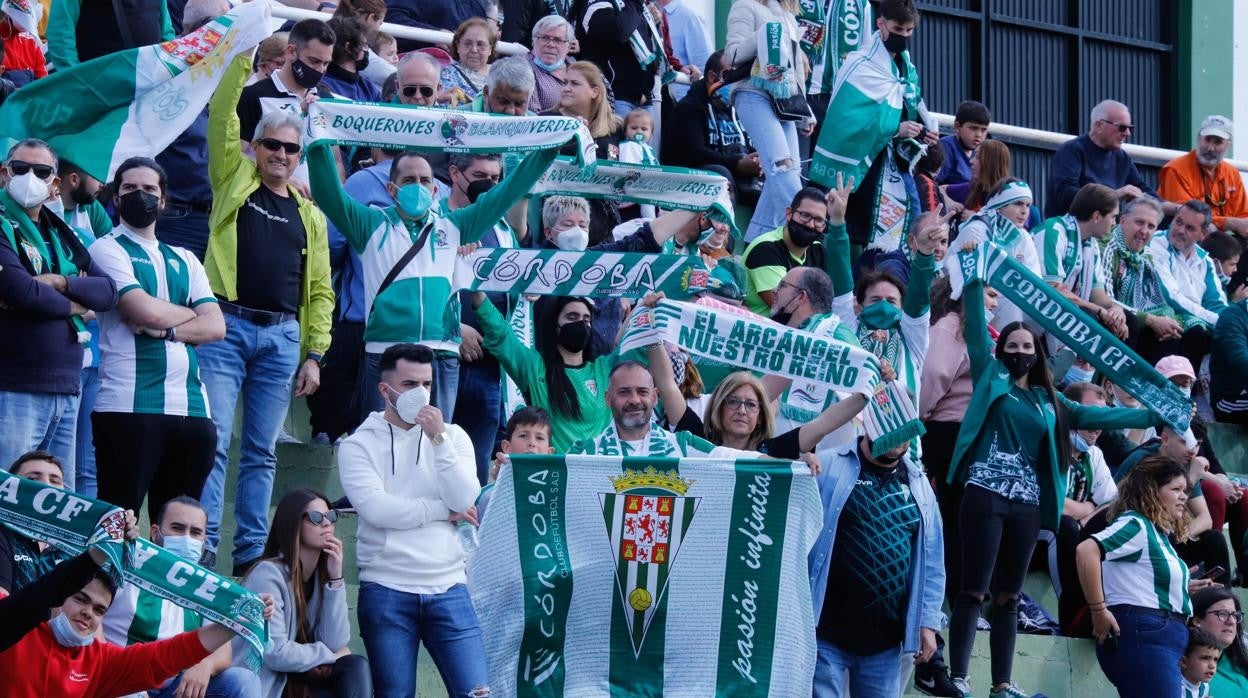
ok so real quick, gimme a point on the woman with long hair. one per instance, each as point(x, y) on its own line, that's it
point(472, 51)
point(990, 164)
point(1217, 611)
point(308, 634)
point(1137, 585)
point(1011, 459)
point(561, 373)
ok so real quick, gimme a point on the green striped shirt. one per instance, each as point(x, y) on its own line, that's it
point(1140, 566)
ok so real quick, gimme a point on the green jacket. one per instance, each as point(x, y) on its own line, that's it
point(992, 382)
point(234, 178)
point(62, 31)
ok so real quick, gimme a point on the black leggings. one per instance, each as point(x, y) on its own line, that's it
point(350, 678)
point(998, 537)
point(157, 456)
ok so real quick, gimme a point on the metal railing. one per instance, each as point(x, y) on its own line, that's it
point(1141, 154)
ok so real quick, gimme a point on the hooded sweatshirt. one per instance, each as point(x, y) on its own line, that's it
point(404, 488)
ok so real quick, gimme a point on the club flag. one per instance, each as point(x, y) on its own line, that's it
point(24, 14)
point(133, 102)
point(602, 575)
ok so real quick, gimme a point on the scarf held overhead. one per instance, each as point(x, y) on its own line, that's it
point(583, 274)
point(1072, 327)
point(370, 125)
point(753, 343)
point(75, 523)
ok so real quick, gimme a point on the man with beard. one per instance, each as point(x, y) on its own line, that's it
point(1205, 175)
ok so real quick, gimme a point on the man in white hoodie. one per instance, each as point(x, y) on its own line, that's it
point(408, 473)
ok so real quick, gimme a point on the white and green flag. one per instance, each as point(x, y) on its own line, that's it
point(586, 274)
point(24, 14)
point(867, 106)
point(133, 102)
point(602, 575)
point(831, 30)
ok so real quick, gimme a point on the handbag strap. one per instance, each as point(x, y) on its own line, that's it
point(417, 246)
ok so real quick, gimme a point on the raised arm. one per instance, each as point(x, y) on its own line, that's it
point(978, 343)
point(674, 403)
point(225, 156)
point(520, 362)
point(355, 221)
point(476, 219)
point(834, 417)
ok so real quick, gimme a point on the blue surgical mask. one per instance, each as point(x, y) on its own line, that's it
point(185, 547)
point(1078, 443)
point(65, 634)
point(548, 67)
point(414, 200)
point(1078, 374)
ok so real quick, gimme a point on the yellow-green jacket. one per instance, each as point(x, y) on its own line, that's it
point(234, 177)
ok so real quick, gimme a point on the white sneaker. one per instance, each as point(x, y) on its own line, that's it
point(963, 684)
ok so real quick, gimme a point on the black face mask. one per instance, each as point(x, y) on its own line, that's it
point(1018, 363)
point(306, 76)
point(476, 188)
point(79, 195)
point(782, 316)
point(802, 235)
point(574, 336)
point(896, 43)
point(139, 209)
point(361, 63)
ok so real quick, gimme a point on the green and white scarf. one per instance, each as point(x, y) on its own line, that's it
point(886, 344)
point(1072, 327)
point(521, 324)
point(75, 523)
point(773, 69)
point(803, 401)
point(671, 188)
point(424, 129)
point(1133, 282)
point(584, 274)
point(890, 419)
point(753, 343)
point(660, 443)
point(29, 246)
point(895, 209)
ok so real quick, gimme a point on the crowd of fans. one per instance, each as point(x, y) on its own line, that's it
point(240, 269)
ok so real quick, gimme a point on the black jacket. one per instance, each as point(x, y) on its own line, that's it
point(702, 133)
point(604, 41)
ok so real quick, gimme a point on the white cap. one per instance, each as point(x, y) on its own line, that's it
point(1215, 125)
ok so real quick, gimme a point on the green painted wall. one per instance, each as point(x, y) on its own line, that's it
point(721, 21)
point(1205, 45)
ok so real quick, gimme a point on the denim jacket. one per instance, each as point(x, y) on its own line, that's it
point(927, 574)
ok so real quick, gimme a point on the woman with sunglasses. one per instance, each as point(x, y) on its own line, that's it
point(1217, 611)
point(1137, 586)
point(308, 634)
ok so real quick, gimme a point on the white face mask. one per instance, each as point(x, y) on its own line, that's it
point(27, 190)
point(408, 404)
point(66, 634)
point(185, 547)
point(56, 206)
point(1187, 391)
point(573, 239)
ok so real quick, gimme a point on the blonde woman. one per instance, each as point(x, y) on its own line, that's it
point(585, 96)
point(779, 72)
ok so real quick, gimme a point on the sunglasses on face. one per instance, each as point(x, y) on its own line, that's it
point(317, 518)
point(19, 168)
point(274, 144)
point(424, 90)
point(1122, 128)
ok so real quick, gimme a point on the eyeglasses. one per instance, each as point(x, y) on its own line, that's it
point(1227, 616)
point(733, 404)
point(556, 40)
point(274, 144)
point(20, 167)
point(410, 91)
point(317, 518)
point(813, 221)
point(478, 45)
point(1122, 128)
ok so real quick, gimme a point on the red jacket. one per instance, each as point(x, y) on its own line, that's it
point(21, 51)
point(39, 667)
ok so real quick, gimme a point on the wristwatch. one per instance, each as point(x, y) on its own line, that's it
point(316, 356)
point(439, 438)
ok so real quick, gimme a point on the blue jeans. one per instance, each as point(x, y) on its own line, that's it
point(182, 227)
point(39, 421)
point(838, 673)
point(1146, 662)
point(84, 460)
point(394, 623)
point(482, 407)
point(776, 142)
point(235, 682)
point(259, 361)
point(445, 385)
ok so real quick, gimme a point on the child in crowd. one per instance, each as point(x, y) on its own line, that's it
point(1199, 663)
point(925, 171)
point(528, 433)
point(1225, 250)
point(970, 129)
point(638, 127)
point(385, 46)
